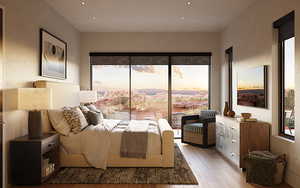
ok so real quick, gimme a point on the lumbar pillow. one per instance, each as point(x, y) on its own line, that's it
point(93, 108)
point(75, 119)
point(58, 122)
point(84, 109)
point(94, 118)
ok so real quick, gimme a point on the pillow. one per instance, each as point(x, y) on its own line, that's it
point(94, 118)
point(58, 122)
point(75, 119)
point(84, 109)
point(93, 108)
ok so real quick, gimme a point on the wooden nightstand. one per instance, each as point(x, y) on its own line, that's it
point(29, 159)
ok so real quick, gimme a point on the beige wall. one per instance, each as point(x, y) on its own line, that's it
point(254, 43)
point(152, 42)
point(22, 22)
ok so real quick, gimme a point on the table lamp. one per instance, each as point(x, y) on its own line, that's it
point(34, 100)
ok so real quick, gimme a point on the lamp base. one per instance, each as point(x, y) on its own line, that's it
point(35, 124)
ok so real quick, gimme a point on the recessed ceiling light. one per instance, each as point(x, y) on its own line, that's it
point(189, 3)
point(94, 17)
point(182, 18)
point(82, 3)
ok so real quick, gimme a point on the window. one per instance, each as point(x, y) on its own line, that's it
point(151, 86)
point(229, 59)
point(286, 38)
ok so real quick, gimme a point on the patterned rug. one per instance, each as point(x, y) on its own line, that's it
point(180, 174)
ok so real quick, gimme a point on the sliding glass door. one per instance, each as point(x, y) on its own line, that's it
point(190, 94)
point(149, 92)
point(151, 87)
point(111, 81)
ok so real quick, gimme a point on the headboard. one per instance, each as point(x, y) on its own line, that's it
point(63, 94)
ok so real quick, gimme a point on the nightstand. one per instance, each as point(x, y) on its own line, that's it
point(33, 161)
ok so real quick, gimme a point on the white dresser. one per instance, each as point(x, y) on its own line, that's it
point(235, 139)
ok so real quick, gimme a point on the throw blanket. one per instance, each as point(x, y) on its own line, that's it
point(134, 142)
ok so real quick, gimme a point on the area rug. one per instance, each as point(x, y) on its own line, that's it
point(180, 174)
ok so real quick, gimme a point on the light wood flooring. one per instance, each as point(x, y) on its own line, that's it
point(210, 168)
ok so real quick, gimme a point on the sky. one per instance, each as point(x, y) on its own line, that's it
point(186, 77)
point(251, 78)
point(290, 63)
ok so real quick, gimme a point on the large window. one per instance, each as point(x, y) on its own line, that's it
point(286, 38)
point(190, 94)
point(151, 86)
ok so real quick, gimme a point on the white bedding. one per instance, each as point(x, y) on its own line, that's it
point(97, 143)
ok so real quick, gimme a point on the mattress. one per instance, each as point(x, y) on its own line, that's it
point(72, 143)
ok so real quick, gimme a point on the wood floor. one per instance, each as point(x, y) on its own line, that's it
point(211, 170)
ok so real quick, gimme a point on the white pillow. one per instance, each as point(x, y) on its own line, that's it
point(58, 122)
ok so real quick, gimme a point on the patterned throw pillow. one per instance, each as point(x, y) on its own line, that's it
point(94, 118)
point(59, 122)
point(75, 119)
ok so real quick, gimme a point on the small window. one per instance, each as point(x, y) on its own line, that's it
point(286, 45)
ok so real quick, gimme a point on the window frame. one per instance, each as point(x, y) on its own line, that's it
point(283, 35)
point(169, 54)
point(229, 59)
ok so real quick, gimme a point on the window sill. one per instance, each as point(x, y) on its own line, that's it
point(285, 139)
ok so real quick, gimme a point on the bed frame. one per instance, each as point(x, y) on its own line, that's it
point(68, 95)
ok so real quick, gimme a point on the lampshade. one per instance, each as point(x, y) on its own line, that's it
point(31, 98)
point(86, 96)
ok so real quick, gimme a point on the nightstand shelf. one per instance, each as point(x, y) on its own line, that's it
point(31, 157)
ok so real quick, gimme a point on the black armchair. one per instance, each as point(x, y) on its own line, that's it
point(199, 129)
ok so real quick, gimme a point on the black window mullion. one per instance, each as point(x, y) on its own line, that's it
point(170, 91)
point(130, 88)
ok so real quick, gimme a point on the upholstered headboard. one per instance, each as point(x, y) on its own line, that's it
point(63, 94)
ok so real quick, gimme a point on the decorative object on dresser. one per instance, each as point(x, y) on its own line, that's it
point(87, 96)
point(226, 109)
point(33, 161)
point(199, 129)
point(231, 113)
point(53, 56)
point(34, 100)
point(235, 139)
point(246, 115)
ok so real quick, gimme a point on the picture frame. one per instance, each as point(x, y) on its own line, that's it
point(53, 56)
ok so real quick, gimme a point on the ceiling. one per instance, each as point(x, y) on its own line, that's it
point(149, 15)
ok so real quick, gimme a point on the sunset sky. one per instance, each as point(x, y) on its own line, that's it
point(251, 78)
point(188, 77)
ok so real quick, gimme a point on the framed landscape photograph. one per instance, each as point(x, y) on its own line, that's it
point(53, 56)
point(252, 87)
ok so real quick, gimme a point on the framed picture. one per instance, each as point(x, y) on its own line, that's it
point(53, 56)
point(253, 87)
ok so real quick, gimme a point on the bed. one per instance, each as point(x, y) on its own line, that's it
point(160, 151)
